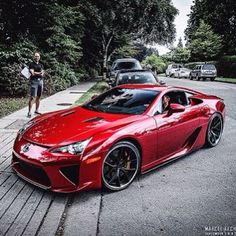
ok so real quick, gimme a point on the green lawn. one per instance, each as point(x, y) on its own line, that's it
point(98, 88)
point(226, 80)
point(9, 105)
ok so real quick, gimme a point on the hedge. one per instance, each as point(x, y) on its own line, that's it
point(226, 66)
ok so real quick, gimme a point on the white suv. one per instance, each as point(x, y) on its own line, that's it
point(172, 68)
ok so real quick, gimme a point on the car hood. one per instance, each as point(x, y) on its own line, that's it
point(74, 125)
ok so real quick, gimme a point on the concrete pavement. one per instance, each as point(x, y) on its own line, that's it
point(25, 209)
point(58, 101)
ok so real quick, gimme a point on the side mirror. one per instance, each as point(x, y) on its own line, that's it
point(161, 82)
point(94, 96)
point(111, 82)
point(175, 108)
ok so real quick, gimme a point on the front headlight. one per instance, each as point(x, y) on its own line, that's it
point(74, 148)
point(25, 126)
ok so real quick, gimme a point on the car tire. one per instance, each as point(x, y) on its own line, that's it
point(214, 130)
point(212, 79)
point(190, 77)
point(120, 166)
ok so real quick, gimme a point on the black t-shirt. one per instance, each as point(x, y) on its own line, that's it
point(37, 68)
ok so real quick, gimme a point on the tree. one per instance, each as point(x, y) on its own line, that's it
point(220, 16)
point(156, 63)
point(205, 44)
point(181, 55)
point(180, 43)
point(149, 21)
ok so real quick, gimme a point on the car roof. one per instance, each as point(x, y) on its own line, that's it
point(134, 70)
point(205, 64)
point(126, 59)
point(155, 87)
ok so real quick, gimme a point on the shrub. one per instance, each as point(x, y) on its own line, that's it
point(191, 65)
point(12, 61)
point(226, 66)
point(156, 63)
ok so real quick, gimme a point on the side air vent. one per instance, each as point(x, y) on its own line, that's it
point(71, 173)
point(94, 119)
point(67, 113)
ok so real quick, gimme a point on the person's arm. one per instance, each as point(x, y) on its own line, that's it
point(32, 72)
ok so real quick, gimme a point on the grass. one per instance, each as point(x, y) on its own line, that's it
point(226, 80)
point(219, 79)
point(9, 105)
point(98, 88)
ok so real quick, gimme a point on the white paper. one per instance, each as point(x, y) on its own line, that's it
point(25, 72)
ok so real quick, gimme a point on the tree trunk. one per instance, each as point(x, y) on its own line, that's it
point(106, 44)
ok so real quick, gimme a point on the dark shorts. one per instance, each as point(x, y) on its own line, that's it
point(36, 88)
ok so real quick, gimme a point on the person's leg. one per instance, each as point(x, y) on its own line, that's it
point(31, 99)
point(37, 102)
point(31, 102)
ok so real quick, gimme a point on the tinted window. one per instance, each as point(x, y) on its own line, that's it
point(126, 65)
point(208, 67)
point(123, 101)
point(136, 78)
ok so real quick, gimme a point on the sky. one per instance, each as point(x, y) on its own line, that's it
point(180, 22)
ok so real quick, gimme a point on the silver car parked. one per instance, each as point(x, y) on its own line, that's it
point(203, 71)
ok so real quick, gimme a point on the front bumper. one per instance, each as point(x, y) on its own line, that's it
point(67, 173)
point(208, 75)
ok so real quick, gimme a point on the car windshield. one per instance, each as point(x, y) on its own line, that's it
point(136, 78)
point(208, 67)
point(123, 101)
point(126, 65)
point(176, 66)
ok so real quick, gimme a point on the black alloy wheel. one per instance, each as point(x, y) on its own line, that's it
point(214, 130)
point(120, 166)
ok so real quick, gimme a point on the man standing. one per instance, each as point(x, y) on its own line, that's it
point(36, 83)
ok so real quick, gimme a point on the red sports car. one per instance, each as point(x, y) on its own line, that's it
point(127, 130)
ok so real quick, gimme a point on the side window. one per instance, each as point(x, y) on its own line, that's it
point(163, 104)
point(179, 97)
point(188, 95)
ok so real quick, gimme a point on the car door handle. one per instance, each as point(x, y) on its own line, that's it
point(147, 131)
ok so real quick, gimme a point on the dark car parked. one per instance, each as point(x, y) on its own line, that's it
point(124, 64)
point(135, 77)
point(203, 71)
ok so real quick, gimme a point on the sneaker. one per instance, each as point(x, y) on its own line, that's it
point(37, 113)
point(29, 115)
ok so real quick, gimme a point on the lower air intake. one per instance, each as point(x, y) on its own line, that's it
point(71, 173)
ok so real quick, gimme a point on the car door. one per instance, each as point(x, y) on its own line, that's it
point(174, 130)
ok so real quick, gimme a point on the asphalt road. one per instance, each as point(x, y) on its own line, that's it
point(195, 195)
